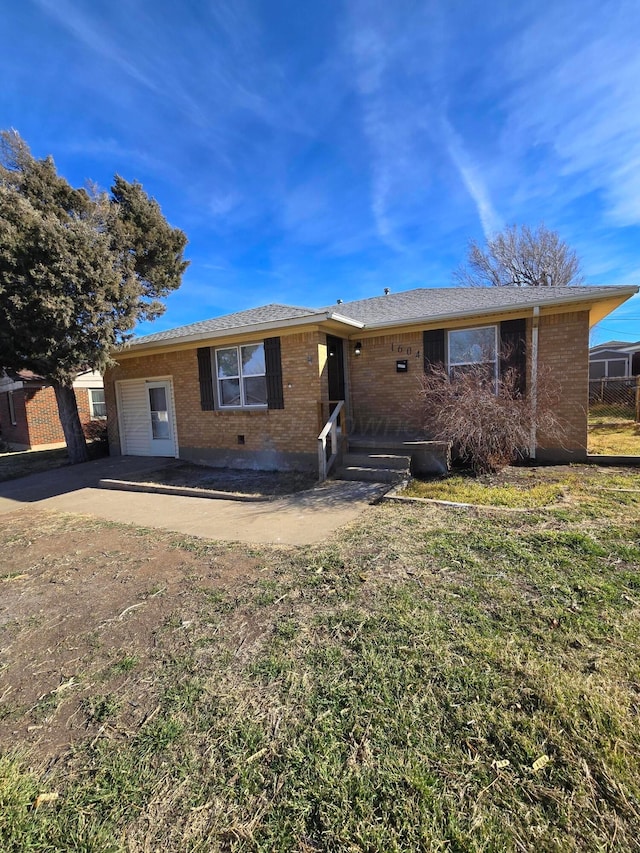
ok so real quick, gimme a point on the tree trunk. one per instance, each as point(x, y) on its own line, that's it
point(71, 426)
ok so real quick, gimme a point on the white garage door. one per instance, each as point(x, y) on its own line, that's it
point(146, 418)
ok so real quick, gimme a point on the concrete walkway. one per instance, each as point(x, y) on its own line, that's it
point(298, 519)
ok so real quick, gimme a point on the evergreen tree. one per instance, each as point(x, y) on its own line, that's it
point(78, 269)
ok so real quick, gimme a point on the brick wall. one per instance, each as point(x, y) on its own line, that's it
point(293, 429)
point(563, 353)
point(380, 396)
point(17, 433)
point(38, 422)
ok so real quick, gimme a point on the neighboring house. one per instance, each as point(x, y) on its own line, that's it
point(29, 413)
point(254, 388)
point(614, 360)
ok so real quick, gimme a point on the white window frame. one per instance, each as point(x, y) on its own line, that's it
point(12, 409)
point(496, 360)
point(218, 379)
point(92, 405)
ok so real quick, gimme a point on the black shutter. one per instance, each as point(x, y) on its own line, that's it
point(433, 349)
point(513, 350)
point(205, 375)
point(273, 364)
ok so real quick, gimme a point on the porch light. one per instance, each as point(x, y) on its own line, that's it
point(357, 348)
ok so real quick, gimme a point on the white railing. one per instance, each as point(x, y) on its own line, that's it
point(330, 430)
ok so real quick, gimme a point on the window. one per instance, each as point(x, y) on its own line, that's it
point(12, 408)
point(97, 403)
point(473, 348)
point(241, 376)
point(160, 428)
point(617, 367)
point(608, 368)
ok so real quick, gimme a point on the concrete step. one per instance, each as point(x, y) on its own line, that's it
point(378, 444)
point(392, 461)
point(369, 475)
point(427, 457)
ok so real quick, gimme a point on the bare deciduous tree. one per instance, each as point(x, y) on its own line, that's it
point(521, 257)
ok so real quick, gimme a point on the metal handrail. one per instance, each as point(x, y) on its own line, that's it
point(330, 428)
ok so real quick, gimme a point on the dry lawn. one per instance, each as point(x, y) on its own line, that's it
point(431, 679)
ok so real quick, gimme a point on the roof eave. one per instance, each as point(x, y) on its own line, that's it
point(247, 329)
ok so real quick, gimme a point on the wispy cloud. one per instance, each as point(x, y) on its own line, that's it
point(472, 179)
point(371, 57)
point(403, 85)
point(573, 78)
point(86, 30)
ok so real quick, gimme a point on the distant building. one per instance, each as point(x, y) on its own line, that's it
point(29, 412)
point(614, 360)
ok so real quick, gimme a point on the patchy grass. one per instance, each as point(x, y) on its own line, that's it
point(15, 464)
point(482, 491)
point(613, 437)
point(21, 463)
point(424, 681)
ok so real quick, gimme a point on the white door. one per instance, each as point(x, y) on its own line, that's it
point(146, 418)
point(158, 400)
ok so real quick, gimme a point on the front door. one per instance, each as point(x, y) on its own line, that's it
point(335, 369)
point(158, 399)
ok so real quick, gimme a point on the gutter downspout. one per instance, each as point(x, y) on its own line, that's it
point(534, 380)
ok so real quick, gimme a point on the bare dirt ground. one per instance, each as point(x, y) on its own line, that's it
point(82, 603)
point(232, 480)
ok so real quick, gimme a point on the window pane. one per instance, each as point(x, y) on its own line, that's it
point(157, 400)
point(255, 391)
point(160, 425)
point(229, 392)
point(98, 405)
point(617, 368)
point(227, 362)
point(483, 374)
point(470, 346)
point(253, 360)
point(596, 369)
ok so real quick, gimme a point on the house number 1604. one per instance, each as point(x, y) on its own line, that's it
point(405, 350)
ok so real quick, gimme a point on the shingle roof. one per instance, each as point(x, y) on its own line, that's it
point(425, 304)
point(432, 303)
point(252, 316)
point(615, 345)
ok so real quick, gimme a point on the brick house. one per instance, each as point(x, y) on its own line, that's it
point(254, 388)
point(29, 417)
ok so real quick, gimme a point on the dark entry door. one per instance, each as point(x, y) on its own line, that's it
point(335, 368)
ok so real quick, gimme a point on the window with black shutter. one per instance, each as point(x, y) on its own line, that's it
point(273, 361)
point(433, 349)
point(513, 350)
point(205, 376)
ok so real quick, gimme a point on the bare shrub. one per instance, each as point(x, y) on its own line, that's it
point(489, 427)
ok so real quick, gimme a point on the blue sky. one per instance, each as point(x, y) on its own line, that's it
point(316, 151)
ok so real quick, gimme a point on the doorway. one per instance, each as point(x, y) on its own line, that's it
point(335, 369)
